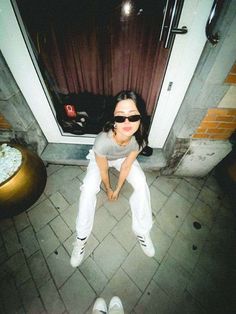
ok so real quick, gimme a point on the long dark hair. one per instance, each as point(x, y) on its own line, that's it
point(141, 135)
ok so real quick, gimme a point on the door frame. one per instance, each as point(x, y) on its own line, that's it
point(186, 51)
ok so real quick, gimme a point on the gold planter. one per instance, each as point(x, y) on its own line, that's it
point(25, 186)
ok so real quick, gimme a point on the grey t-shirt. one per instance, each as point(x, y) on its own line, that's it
point(106, 146)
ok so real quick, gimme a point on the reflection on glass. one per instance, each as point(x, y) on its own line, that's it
point(90, 50)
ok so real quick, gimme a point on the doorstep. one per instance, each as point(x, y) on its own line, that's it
point(75, 154)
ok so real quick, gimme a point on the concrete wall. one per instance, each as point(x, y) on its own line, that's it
point(206, 90)
point(14, 108)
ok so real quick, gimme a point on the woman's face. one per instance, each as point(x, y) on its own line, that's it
point(126, 108)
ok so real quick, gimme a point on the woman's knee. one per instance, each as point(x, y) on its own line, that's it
point(90, 189)
point(139, 184)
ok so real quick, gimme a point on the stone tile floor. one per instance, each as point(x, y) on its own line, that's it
point(194, 270)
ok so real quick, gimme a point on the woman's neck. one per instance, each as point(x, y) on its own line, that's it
point(121, 139)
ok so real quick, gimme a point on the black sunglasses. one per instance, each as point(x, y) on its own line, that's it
point(133, 118)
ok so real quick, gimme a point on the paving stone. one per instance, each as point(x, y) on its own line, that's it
point(51, 298)
point(6, 224)
point(93, 275)
point(166, 184)
point(103, 223)
point(17, 267)
point(21, 221)
point(82, 175)
point(139, 267)
point(185, 252)
point(30, 298)
point(2, 310)
point(172, 278)
point(23, 274)
point(60, 228)
point(21, 310)
point(225, 223)
point(35, 306)
point(127, 190)
point(154, 301)
point(101, 199)
point(227, 202)
point(71, 191)
point(3, 254)
point(151, 176)
point(39, 200)
point(118, 208)
point(196, 182)
point(114, 171)
point(59, 265)
point(69, 215)
point(51, 168)
point(47, 240)
point(176, 203)
point(38, 268)
point(204, 212)
point(113, 180)
point(212, 184)
point(217, 252)
point(41, 214)
point(109, 255)
point(59, 201)
point(11, 241)
point(122, 286)
point(211, 263)
point(60, 178)
point(227, 212)
point(158, 199)
point(124, 234)
point(161, 242)
point(9, 296)
point(188, 305)
point(77, 294)
point(173, 213)
point(209, 197)
point(187, 190)
point(197, 236)
point(202, 287)
point(28, 241)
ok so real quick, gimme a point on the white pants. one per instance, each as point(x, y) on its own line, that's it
point(139, 201)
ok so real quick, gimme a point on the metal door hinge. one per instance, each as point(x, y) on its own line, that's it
point(170, 86)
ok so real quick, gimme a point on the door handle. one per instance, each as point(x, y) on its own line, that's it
point(179, 31)
point(171, 18)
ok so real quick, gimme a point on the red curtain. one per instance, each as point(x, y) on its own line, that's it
point(92, 46)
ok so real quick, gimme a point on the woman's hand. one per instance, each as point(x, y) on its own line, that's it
point(115, 195)
point(109, 194)
point(112, 195)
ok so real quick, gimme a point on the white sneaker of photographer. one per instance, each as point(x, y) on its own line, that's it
point(100, 306)
point(115, 306)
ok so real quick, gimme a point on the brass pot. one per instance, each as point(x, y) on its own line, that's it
point(25, 186)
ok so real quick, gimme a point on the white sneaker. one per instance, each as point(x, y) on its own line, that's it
point(146, 244)
point(100, 306)
point(115, 306)
point(78, 252)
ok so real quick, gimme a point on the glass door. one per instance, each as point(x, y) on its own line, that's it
point(88, 51)
point(35, 74)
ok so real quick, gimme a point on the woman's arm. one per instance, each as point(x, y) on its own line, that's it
point(124, 171)
point(103, 167)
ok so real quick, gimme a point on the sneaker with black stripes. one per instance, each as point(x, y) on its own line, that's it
point(78, 252)
point(146, 244)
